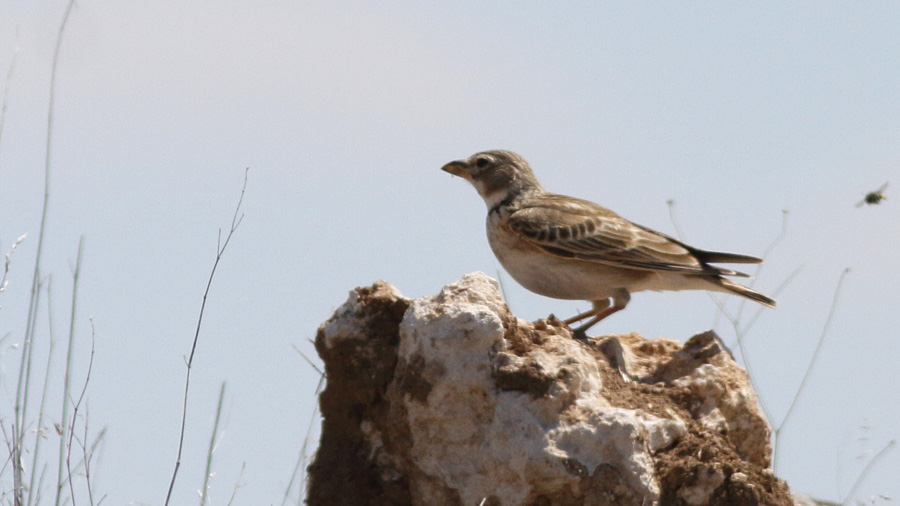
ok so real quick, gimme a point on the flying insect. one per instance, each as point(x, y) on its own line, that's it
point(874, 197)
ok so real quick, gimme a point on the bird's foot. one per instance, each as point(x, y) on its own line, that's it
point(580, 334)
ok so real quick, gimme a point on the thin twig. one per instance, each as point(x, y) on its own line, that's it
point(9, 446)
point(220, 249)
point(40, 484)
point(502, 288)
point(809, 368)
point(671, 204)
point(80, 464)
point(765, 254)
point(76, 407)
point(204, 492)
point(735, 319)
point(85, 454)
point(237, 484)
point(743, 332)
point(301, 458)
point(308, 361)
point(745, 357)
point(865, 471)
point(64, 420)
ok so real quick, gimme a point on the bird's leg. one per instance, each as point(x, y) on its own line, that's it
point(580, 333)
point(582, 316)
point(597, 308)
point(602, 309)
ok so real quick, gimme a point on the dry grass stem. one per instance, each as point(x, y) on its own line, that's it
point(866, 470)
point(302, 458)
point(9, 74)
point(7, 263)
point(67, 379)
point(33, 492)
point(237, 484)
point(204, 492)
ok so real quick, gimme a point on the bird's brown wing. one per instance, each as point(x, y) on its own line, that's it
point(575, 228)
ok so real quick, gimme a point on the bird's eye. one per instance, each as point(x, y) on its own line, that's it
point(482, 162)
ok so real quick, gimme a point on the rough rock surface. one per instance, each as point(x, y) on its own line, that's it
point(452, 400)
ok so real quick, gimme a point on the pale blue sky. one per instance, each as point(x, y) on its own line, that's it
point(345, 114)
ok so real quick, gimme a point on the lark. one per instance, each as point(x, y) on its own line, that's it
point(567, 248)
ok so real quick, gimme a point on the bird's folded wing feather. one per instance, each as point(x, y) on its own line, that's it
point(580, 229)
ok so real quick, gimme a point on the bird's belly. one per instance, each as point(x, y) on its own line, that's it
point(558, 277)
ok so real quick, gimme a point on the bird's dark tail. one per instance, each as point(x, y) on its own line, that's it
point(748, 292)
point(717, 257)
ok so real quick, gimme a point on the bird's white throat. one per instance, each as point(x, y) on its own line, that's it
point(494, 198)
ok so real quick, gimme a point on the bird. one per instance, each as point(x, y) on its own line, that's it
point(568, 248)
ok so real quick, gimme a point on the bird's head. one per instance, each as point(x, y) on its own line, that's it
point(497, 175)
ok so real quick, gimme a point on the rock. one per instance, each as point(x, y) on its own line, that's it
point(452, 400)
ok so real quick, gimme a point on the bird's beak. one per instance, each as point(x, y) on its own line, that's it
point(457, 168)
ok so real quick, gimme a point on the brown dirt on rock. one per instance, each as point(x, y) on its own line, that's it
point(358, 371)
point(637, 374)
point(682, 465)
